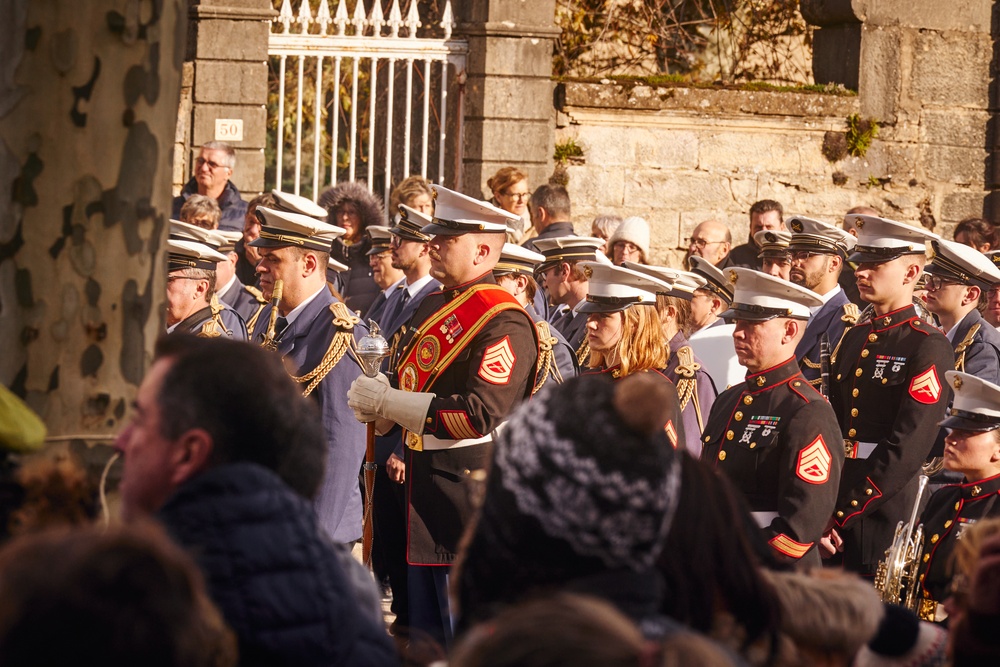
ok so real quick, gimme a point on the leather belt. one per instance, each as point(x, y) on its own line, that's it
point(429, 442)
point(764, 519)
point(854, 449)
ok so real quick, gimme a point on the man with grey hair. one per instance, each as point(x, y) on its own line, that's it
point(212, 170)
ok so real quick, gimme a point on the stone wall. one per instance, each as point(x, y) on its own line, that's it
point(677, 156)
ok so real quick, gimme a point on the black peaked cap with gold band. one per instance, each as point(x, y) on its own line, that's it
point(682, 283)
point(561, 249)
point(409, 222)
point(773, 243)
point(819, 237)
point(456, 214)
point(515, 259)
point(715, 281)
point(976, 405)
point(282, 228)
point(614, 288)
point(963, 264)
point(381, 239)
point(191, 255)
point(758, 297)
point(881, 239)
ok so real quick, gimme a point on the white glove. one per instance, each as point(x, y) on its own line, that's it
point(371, 398)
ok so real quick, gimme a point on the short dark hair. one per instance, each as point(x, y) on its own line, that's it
point(243, 397)
point(123, 596)
point(554, 199)
point(979, 231)
point(765, 205)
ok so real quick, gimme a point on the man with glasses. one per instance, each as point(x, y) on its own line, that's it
point(888, 390)
point(710, 240)
point(212, 170)
point(960, 277)
point(818, 252)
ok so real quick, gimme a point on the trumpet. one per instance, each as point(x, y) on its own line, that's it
point(269, 342)
point(897, 576)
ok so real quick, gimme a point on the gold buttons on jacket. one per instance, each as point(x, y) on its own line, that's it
point(729, 435)
point(947, 524)
point(864, 354)
point(855, 393)
point(858, 372)
point(872, 338)
point(753, 445)
point(722, 455)
point(839, 376)
point(927, 557)
point(707, 438)
point(738, 416)
point(854, 412)
point(840, 515)
point(958, 505)
point(868, 492)
point(748, 399)
point(851, 433)
point(854, 503)
point(934, 538)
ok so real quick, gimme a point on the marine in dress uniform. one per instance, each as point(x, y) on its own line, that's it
point(773, 435)
point(467, 359)
point(192, 306)
point(888, 392)
point(229, 322)
point(819, 252)
point(615, 289)
point(569, 288)
point(313, 333)
point(515, 273)
point(973, 449)
point(959, 277)
point(773, 257)
point(695, 388)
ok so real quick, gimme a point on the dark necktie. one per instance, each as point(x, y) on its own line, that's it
point(279, 326)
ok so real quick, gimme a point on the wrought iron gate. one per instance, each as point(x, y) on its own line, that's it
point(359, 72)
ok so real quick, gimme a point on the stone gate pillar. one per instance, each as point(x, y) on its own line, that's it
point(508, 114)
point(225, 80)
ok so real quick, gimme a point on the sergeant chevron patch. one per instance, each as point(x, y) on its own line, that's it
point(814, 462)
point(926, 388)
point(498, 362)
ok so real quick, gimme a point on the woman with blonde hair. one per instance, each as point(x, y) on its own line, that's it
point(511, 193)
point(623, 329)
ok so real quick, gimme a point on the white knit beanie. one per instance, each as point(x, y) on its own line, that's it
point(634, 230)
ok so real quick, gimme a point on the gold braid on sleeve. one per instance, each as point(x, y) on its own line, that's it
point(583, 353)
point(963, 346)
point(344, 320)
point(261, 302)
point(546, 357)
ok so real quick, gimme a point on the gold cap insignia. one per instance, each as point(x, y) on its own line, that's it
point(588, 271)
point(761, 381)
point(733, 277)
point(958, 383)
point(859, 223)
point(797, 226)
point(887, 321)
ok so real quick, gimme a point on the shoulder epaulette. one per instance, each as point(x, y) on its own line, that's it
point(344, 320)
point(214, 327)
point(851, 314)
point(255, 293)
point(686, 368)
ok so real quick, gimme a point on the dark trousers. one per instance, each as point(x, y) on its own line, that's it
point(389, 541)
point(430, 612)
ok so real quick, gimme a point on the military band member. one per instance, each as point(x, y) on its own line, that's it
point(515, 273)
point(888, 391)
point(566, 284)
point(246, 300)
point(313, 331)
point(191, 304)
point(818, 252)
point(624, 332)
point(230, 323)
point(972, 448)
point(710, 336)
point(411, 256)
point(774, 435)
point(959, 278)
point(388, 278)
point(695, 389)
point(773, 257)
point(467, 359)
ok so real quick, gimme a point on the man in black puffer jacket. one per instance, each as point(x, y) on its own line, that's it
point(224, 450)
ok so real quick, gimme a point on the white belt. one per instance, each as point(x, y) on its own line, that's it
point(858, 450)
point(430, 442)
point(764, 519)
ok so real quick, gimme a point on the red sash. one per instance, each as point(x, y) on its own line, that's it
point(443, 336)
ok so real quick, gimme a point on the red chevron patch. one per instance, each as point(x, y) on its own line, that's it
point(814, 462)
point(926, 388)
point(498, 362)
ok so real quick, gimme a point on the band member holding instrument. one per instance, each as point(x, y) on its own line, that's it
point(888, 392)
point(773, 435)
point(313, 331)
point(467, 358)
point(972, 448)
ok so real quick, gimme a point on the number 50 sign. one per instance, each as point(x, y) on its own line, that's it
point(229, 129)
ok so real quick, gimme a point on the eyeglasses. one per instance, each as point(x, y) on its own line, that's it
point(519, 196)
point(626, 246)
point(802, 255)
point(201, 162)
point(934, 283)
point(171, 279)
point(700, 243)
